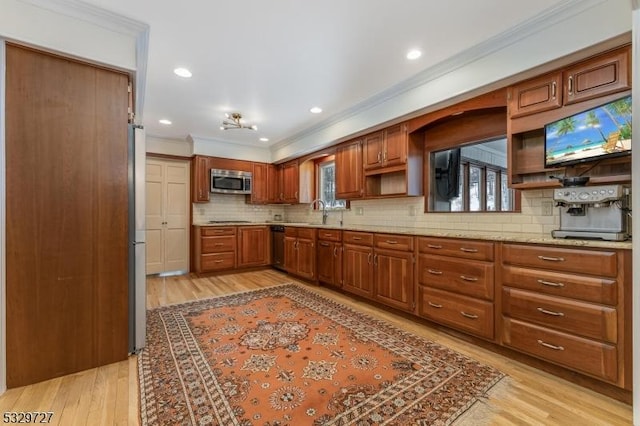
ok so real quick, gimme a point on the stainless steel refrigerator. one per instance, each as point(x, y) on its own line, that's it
point(137, 262)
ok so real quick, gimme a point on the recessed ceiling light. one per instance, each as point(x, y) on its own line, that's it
point(413, 54)
point(316, 110)
point(164, 121)
point(182, 72)
point(264, 139)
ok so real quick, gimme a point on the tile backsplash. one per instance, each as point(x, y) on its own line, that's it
point(405, 212)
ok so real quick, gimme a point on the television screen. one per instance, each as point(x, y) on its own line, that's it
point(598, 133)
point(448, 173)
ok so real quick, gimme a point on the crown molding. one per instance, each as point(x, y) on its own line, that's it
point(558, 13)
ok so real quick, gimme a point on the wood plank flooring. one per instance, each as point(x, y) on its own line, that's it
point(109, 395)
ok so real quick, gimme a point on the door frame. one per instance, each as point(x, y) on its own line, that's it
point(3, 233)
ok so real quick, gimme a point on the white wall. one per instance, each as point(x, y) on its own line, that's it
point(181, 148)
point(218, 148)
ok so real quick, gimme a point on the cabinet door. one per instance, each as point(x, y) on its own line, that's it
point(358, 270)
point(260, 190)
point(373, 150)
point(201, 179)
point(536, 95)
point(253, 246)
point(395, 146)
point(394, 278)
point(349, 176)
point(605, 74)
point(274, 183)
point(290, 254)
point(325, 262)
point(290, 182)
point(306, 267)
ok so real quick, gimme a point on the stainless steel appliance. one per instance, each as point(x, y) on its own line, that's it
point(231, 181)
point(277, 246)
point(594, 212)
point(137, 238)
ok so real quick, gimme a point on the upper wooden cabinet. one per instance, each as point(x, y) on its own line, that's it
point(349, 177)
point(536, 95)
point(290, 182)
point(200, 170)
point(260, 190)
point(386, 148)
point(599, 76)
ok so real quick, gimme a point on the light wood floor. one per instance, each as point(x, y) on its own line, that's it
point(109, 395)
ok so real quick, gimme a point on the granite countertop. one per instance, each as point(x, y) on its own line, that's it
point(432, 232)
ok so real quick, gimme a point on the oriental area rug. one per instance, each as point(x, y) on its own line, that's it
point(285, 355)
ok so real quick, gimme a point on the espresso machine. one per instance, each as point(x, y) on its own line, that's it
point(594, 212)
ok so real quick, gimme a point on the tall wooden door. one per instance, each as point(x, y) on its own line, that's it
point(67, 216)
point(167, 216)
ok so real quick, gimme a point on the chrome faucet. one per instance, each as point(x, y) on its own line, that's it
point(324, 209)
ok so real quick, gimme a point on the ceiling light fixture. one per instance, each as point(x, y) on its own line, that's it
point(164, 121)
point(316, 110)
point(264, 139)
point(414, 54)
point(233, 121)
point(182, 72)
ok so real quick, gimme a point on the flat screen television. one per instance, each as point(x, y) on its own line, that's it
point(448, 174)
point(594, 134)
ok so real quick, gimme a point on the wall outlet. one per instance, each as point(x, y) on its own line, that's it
point(359, 211)
point(547, 208)
point(412, 210)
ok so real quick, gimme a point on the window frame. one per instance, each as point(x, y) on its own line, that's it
point(319, 164)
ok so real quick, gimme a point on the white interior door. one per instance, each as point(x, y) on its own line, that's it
point(167, 213)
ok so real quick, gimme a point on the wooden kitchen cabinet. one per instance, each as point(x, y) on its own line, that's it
point(393, 260)
point(456, 284)
point(253, 246)
point(386, 148)
point(274, 184)
point(214, 248)
point(358, 263)
point(568, 306)
point(260, 184)
point(349, 171)
point(300, 252)
point(536, 95)
point(201, 179)
point(290, 183)
point(329, 257)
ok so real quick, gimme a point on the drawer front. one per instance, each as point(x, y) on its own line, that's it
point(393, 242)
point(589, 289)
point(218, 231)
point(591, 357)
point(329, 235)
point(218, 244)
point(217, 261)
point(359, 238)
point(307, 233)
point(585, 319)
point(459, 312)
point(468, 277)
point(593, 262)
point(291, 231)
point(468, 249)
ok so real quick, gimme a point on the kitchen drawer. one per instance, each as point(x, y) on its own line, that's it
point(359, 238)
point(217, 231)
point(591, 357)
point(291, 231)
point(307, 233)
point(590, 289)
point(218, 244)
point(582, 318)
point(468, 249)
point(593, 262)
point(468, 277)
point(217, 261)
point(329, 235)
point(393, 242)
point(460, 312)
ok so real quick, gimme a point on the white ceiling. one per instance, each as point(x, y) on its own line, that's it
point(273, 60)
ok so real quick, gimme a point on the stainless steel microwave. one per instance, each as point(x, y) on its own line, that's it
point(230, 181)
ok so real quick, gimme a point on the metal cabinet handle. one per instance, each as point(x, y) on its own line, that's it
point(468, 250)
point(550, 346)
point(375, 259)
point(357, 238)
point(550, 283)
point(434, 272)
point(466, 278)
point(379, 157)
point(551, 259)
point(570, 84)
point(553, 90)
point(384, 156)
point(335, 251)
point(466, 315)
point(218, 261)
point(391, 242)
point(548, 312)
point(323, 244)
point(434, 246)
point(369, 258)
point(434, 305)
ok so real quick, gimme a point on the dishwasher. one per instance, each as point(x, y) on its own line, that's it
point(277, 246)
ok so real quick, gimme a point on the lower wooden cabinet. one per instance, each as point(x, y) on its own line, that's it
point(253, 246)
point(358, 264)
point(223, 248)
point(329, 257)
point(300, 252)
